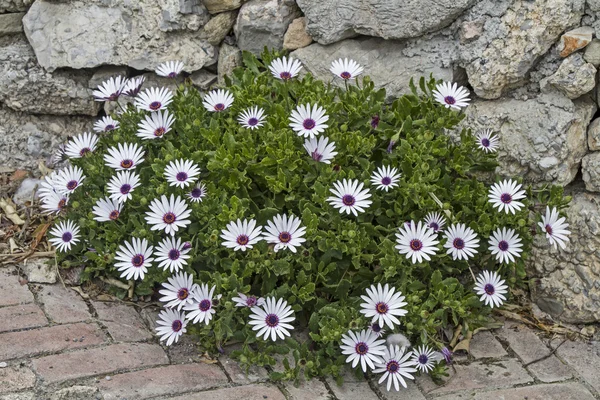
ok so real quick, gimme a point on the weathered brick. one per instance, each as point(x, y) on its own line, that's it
point(584, 358)
point(16, 378)
point(528, 346)
point(411, 392)
point(250, 392)
point(21, 317)
point(308, 390)
point(560, 391)
point(122, 321)
point(477, 375)
point(162, 381)
point(102, 360)
point(49, 339)
point(11, 290)
point(352, 390)
point(550, 370)
point(239, 376)
point(63, 305)
point(485, 345)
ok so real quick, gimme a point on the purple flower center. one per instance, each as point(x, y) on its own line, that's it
point(109, 127)
point(506, 198)
point(126, 164)
point(204, 305)
point(285, 237)
point(434, 226)
point(348, 200)
point(169, 218)
point(489, 289)
point(376, 328)
point(485, 142)
point(196, 193)
point(183, 293)
point(252, 121)
point(172, 75)
point(114, 214)
point(242, 240)
point(285, 75)
point(392, 366)
point(272, 320)
point(177, 325)
point(549, 229)
point(84, 151)
point(114, 96)
point(125, 188)
point(386, 181)
point(187, 245)
point(309, 124)
point(159, 131)
point(423, 359)
point(382, 308)
point(71, 185)
point(346, 75)
point(449, 100)
point(174, 254)
point(251, 301)
point(503, 245)
point(458, 243)
point(61, 203)
point(374, 121)
point(316, 156)
point(181, 176)
point(219, 107)
point(137, 260)
point(155, 105)
point(66, 237)
point(361, 348)
point(416, 245)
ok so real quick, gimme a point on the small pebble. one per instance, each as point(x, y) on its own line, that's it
point(3, 365)
point(108, 378)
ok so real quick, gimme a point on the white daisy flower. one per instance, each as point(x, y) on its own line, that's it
point(385, 178)
point(252, 118)
point(69, 179)
point(382, 305)
point(59, 155)
point(451, 96)
point(364, 347)
point(122, 184)
point(110, 90)
point(308, 123)
point(487, 141)
point(272, 319)
point(286, 234)
point(155, 125)
point(284, 68)
point(178, 291)
point(555, 228)
point(461, 241)
point(218, 100)
point(505, 244)
point(133, 86)
point(241, 235)
point(168, 214)
point(54, 202)
point(346, 69)
point(201, 309)
point(81, 145)
point(66, 233)
point(125, 156)
point(106, 124)
point(197, 193)
point(134, 258)
point(395, 367)
point(248, 301)
point(424, 358)
point(349, 196)
point(49, 184)
point(435, 221)
point(107, 209)
point(491, 288)
point(171, 254)
point(376, 329)
point(417, 241)
point(504, 196)
point(171, 325)
point(170, 69)
point(320, 150)
point(154, 99)
point(181, 173)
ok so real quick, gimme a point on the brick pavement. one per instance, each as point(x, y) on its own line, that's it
point(54, 345)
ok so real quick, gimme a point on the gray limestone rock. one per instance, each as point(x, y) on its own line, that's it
point(229, 58)
point(217, 6)
point(590, 168)
point(331, 20)
point(219, 26)
point(11, 23)
point(11, 6)
point(263, 23)
point(592, 53)
point(296, 36)
point(593, 135)
point(574, 77)
point(87, 34)
point(26, 86)
point(542, 139)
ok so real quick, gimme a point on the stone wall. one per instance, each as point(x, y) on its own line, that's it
point(531, 67)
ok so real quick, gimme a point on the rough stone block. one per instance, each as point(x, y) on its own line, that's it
point(11, 23)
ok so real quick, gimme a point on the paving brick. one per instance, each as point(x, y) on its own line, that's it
point(307, 390)
point(352, 390)
point(485, 345)
point(523, 341)
point(550, 370)
point(21, 317)
point(102, 360)
point(16, 378)
point(560, 391)
point(49, 339)
point(238, 374)
point(122, 321)
point(170, 380)
point(63, 305)
point(478, 375)
point(11, 290)
point(584, 358)
point(249, 392)
point(411, 392)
